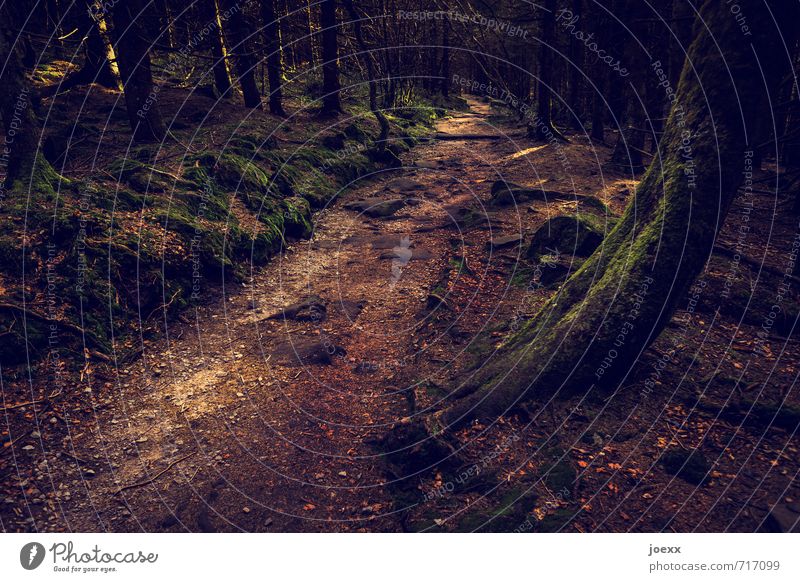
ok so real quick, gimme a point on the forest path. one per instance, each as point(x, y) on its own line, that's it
point(243, 421)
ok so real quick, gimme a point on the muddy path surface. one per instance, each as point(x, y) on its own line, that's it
point(250, 416)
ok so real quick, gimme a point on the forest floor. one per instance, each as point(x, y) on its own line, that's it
point(243, 417)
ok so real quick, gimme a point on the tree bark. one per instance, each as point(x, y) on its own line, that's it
point(445, 86)
point(133, 55)
point(272, 32)
point(331, 103)
point(209, 11)
point(591, 333)
point(366, 56)
point(101, 62)
point(630, 143)
point(19, 158)
point(99, 65)
point(239, 35)
point(575, 69)
point(542, 127)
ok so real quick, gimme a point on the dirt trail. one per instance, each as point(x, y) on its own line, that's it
point(241, 418)
point(277, 413)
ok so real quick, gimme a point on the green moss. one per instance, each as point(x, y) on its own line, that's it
point(504, 515)
point(297, 217)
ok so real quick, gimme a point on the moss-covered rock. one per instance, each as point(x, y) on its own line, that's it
point(572, 235)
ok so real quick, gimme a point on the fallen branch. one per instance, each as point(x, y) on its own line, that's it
point(30, 402)
point(154, 477)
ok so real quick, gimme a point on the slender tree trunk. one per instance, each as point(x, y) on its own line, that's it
point(367, 57)
point(591, 333)
point(313, 40)
point(133, 55)
point(272, 32)
point(575, 68)
point(542, 127)
point(166, 21)
point(209, 14)
point(630, 143)
point(331, 103)
point(239, 35)
point(445, 86)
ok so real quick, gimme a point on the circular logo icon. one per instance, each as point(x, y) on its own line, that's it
point(31, 555)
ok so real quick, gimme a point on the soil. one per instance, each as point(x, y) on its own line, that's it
point(244, 417)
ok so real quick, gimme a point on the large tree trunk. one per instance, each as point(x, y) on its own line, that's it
point(272, 32)
point(239, 35)
point(22, 165)
point(133, 55)
point(591, 333)
point(331, 104)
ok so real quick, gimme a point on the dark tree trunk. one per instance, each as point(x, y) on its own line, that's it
point(542, 126)
point(133, 55)
point(600, 75)
point(445, 86)
point(166, 22)
point(22, 164)
point(630, 143)
point(272, 32)
point(366, 56)
point(575, 70)
point(631, 285)
point(239, 36)
point(313, 37)
point(99, 65)
point(331, 103)
point(209, 11)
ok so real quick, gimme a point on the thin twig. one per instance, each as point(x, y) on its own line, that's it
point(154, 477)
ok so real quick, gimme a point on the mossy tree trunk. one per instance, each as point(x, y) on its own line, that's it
point(20, 163)
point(620, 299)
point(133, 56)
point(239, 36)
point(331, 103)
point(272, 33)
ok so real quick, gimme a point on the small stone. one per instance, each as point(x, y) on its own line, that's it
point(505, 241)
